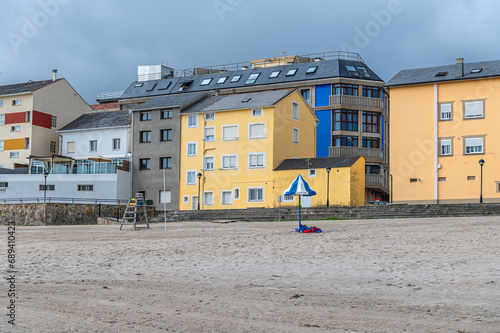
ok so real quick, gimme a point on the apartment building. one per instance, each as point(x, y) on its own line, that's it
point(30, 114)
point(444, 133)
point(348, 98)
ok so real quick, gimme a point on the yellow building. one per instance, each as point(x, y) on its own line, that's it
point(233, 142)
point(444, 121)
point(344, 181)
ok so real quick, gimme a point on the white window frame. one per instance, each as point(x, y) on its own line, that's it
point(168, 196)
point(288, 198)
point(257, 112)
point(1, 102)
point(195, 143)
point(90, 145)
point(209, 116)
point(204, 202)
point(204, 162)
point(314, 173)
point(187, 177)
point(206, 82)
point(237, 132)
point(2, 119)
point(16, 102)
point(263, 159)
point(2, 145)
point(474, 153)
point(205, 134)
point(295, 110)
point(15, 128)
point(83, 188)
point(14, 154)
point(229, 155)
point(222, 197)
point(195, 117)
point(465, 103)
point(185, 199)
point(441, 112)
point(254, 124)
point(256, 188)
point(221, 80)
point(119, 143)
point(445, 142)
point(236, 193)
point(68, 145)
point(295, 130)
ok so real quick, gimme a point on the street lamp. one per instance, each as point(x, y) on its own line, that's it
point(199, 185)
point(390, 175)
point(45, 175)
point(481, 163)
point(328, 169)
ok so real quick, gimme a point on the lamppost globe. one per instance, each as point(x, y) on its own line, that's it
point(481, 162)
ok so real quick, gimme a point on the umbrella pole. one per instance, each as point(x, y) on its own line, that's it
point(299, 214)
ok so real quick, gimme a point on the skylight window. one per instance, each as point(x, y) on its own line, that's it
point(246, 100)
point(311, 70)
point(441, 74)
point(274, 74)
point(138, 85)
point(364, 72)
point(222, 80)
point(252, 78)
point(291, 72)
point(151, 86)
point(164, 85)
point(476, 70)
point(352, 70)
point(206, 82)
point(235, 78)
point(185, 85)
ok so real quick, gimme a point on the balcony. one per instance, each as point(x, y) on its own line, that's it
point(367, 153)
point(366, 103)
point(378, 182)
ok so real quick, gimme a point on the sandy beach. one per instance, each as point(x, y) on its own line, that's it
point(409, 275)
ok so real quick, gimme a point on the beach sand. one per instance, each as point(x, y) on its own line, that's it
point(400, 275)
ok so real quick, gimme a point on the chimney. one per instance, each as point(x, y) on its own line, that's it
point(54, 74)
point(460, 61)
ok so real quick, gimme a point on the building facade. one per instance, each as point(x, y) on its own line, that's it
point(30, 114)
point(230, 145)
point(443, 124)
point(348, 98)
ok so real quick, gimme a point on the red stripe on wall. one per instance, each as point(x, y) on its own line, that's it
point(42, 119)
point(15, 118)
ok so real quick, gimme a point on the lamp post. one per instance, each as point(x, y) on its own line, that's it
point(45, 175)
point(199, 186)
point(390, 175)
point(328, 169)
point(481, 163)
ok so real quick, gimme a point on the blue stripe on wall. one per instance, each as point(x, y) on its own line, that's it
point(324, 133)
point(322, 95)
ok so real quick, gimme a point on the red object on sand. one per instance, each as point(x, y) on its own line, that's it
point(307, 231)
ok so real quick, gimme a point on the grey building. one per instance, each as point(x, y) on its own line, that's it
point(156, 147)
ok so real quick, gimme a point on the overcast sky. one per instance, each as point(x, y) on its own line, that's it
point(98, 44)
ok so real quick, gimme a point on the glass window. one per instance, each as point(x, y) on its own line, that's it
point(445, 148)
point(445, 111)
point(257, 131)
point(85, 188)
point(1, 102)
point(191, 177)
point(166, 114)
point(2, 119)
point(345, 120)
point(371, 122)
point(474, 145)
point(14, 154)
point(209, 134)
point(93, 145)
point(165, 162)
point(47, 187)
point(210, 116)
point(291, 72)
point(54, 122)
point(1, 145)
point(235, 78)
point(229, 162)
point(222, 80)
point(192, 121)
point(144, 164)
point(306, 95)
point(16, 102)
point(256, 160)
point(192, 149)
point(205, 82)
point(71, 147)
point(52, 147)
point(230, 133)
point(373, 92)
point(345, 89)
point(363, 71)
point(295, 135)
point(257, 112)
point(15, 128)
point(208, 198)
point(208, 163)
point(145, 136)
point(252, 78)
point(227, 197)
point(28, 116)
point(166, 135)
point(145, 116)
point(165, 196)
point(236, 193)
point(372, 169)
point(311, 70)
point(295, 110)
point(255, 194)
point(369, 142)
point(352, 70)
point(116, 144)
point(274, 74)
point(474, 109)
point(184, 86)
point(345, 141)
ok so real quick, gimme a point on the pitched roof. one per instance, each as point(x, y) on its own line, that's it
point(448, 73)
point(325, 69)
point(98, 120)
point(171, 101)
point(317, 163)
point(25, 87)
point(235, 102)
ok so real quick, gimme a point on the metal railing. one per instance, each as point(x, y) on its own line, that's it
point(366, 102)
point(64, 200)
point(373, 153)
point(110, 95)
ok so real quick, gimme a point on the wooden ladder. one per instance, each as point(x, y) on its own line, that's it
point(131, 215)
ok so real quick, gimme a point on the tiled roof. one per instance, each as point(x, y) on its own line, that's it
point(98, 120)
point(317, 163)
point(171, 101)
point(326, 69)
point(449, 73)
point(236, 101)
point(115, 106)
point(22, 87)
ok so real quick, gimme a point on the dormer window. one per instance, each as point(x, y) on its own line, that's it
point(252, 78)
point(185, 86)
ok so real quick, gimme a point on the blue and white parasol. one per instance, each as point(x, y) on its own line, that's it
point(299, 187)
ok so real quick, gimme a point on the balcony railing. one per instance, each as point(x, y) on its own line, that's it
point(357, 101)
point(110, 95)
point(377, 181)
point(371, 153)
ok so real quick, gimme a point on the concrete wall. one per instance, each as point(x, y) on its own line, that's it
point(104, 139)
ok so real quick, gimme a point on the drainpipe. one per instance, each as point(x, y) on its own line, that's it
point(131, 163)
point(436, 147)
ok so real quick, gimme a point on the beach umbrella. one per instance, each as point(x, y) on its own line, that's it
point(299, 187)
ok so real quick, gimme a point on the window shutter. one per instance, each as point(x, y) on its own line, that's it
point(473, 109)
